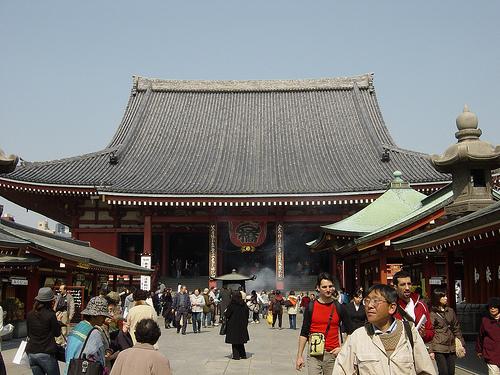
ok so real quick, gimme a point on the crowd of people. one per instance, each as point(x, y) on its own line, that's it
point(385, 330)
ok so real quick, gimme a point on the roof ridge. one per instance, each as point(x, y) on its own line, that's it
point(69, 159)
point(364, 81)
point(32, 230)
point(404, 150)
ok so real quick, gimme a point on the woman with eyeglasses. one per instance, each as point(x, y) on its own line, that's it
point(443, 347)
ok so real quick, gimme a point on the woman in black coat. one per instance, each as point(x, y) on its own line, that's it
point(356, 311)
point(237, 325)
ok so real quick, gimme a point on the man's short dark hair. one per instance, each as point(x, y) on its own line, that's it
point(140, 295)
point(385, 291)
point(147, 331)
point(324, 276)
point(400, 275)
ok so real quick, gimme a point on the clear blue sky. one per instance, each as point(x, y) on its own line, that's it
point(66, 67)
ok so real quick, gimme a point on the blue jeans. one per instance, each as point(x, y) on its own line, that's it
point(196, 317)
point(207, 319)
point(43, 364)
point(292, 318)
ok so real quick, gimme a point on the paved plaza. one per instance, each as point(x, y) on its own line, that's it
point(270, 351)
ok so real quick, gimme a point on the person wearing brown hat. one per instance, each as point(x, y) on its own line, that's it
point(488, 341)
point(43, 328)
point(94, 315)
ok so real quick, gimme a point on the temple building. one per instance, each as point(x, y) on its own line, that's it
point(448, 239)
point(209, 176)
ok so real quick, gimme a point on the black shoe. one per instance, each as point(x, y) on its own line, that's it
point(183, 333)
point(236, 358)
point(178, 331)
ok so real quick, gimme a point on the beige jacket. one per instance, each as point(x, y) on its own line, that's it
point(136, 314)
point(367, 354)
point(141, 359)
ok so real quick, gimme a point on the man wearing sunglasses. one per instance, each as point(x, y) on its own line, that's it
point(385, 345)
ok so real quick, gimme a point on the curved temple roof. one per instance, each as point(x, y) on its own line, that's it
point(242, 137)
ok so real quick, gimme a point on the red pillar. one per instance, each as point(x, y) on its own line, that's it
point(147, 235)
point(450, 279)
point(333, 265)
point(383, 269)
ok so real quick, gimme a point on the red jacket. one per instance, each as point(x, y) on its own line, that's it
point(420, 310)
point(488, 341)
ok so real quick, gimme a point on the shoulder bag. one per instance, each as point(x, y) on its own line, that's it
point(317, 340)
point(81, 365)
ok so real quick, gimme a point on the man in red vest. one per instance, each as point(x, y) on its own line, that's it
point(410, 307)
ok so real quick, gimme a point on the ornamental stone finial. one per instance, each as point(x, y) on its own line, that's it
point(467, 126)
point(467, 119)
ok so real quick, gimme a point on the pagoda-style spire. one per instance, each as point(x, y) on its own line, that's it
point(470, 162)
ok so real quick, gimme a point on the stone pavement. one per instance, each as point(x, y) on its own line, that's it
point(270, 352)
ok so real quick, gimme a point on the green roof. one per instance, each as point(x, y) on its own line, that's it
point(428, 206)
point(396, 203)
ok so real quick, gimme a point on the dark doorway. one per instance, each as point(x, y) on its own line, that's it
point(189, 254)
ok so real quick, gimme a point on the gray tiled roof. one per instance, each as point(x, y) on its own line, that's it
point(67, 249)
point(243, 137)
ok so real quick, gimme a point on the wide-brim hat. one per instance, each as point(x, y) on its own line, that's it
point(115, 296)
point(45, 294)
point(97, 306)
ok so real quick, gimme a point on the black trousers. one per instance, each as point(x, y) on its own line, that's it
point(239, 351)
point(178, 316)
point(278, 315)
point(445, 363)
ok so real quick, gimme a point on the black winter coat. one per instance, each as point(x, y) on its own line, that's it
point(358, 318)
point(237, 324)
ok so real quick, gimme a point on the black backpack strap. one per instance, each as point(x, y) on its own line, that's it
point(369, 329)
point(409, 335)
point(85, 342)
point(329, 321)
point(404, 314)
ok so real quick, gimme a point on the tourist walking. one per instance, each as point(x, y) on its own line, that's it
point(236, 316)
point(166, 306)
point(291, 308)
point(197, 303)
point(253, 306)
point(356, 311)
point(488, 340)
point(304, 302)
point(142, 358)
point(141, 310)
point(43, 329)
point(276, 307)
point(385, 345)
point(181, 307)
point(88, 332)
point(64, 307)
point(322, 318)
point(207, 308)
point(264, 303)
point(442, 347)
point(410, 307)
